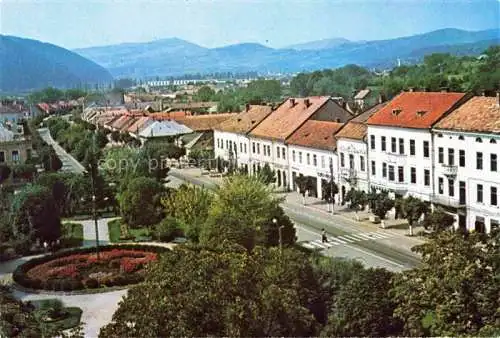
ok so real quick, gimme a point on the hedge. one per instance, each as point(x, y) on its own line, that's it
point(20, 274)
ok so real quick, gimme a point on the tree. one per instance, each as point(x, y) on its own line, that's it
point(382, 204)
point(330, 189)
point(304, 184)
point(357, 199)
point(50, 160)
point(204, 94)
point(198, 292)
point(270, 229)
point(4, 172)
point(189, 205)
point(412, 209)
point(140, 202)
point(438, 220)
point(363, 307)
point(35, 214)
point(454, 292)
point(267, 175)
point(24, 171)
point(242, 207)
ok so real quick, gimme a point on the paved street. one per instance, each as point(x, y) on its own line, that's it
point(69, 163)
point(374, 246)
point(89, 231)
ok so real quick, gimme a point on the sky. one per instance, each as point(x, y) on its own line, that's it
point(275, 23)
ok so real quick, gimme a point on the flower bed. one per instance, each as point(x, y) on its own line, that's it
point(80, 269)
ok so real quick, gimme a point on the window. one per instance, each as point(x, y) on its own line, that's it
point(315, 160)
point(413, 172)
point(440, 155)
point(2, 157)
point(351, 161)
point(461, 157)
point(440, 185)
point(493, 162)
point(451, 187)
point(479, 140)
point(401, 146)
point(479, 161)
point(278, 152)
point(384, 169)
point(493, 196)
point(440, 135)
point(241, 147)
point(372, 141)
point(245, 147)
point(426, 149)
point(393, 145)
point(15, 156)
point(253, 147)
point(493, 141)
point(308, 158)
point(373, 168)
point(331, 162)
point(283, 153)
point(480, 193)
point(293, 155)
point(391, 173)
point(362, 163)
point(322, 161)
point(382, 143)
point(461, 138)
point(427, 177)
point(412, 147)
point(401, 174)
point(342, 162)
point(494, 224)
point(258, 148)
point(300, 157)
point(451, 156)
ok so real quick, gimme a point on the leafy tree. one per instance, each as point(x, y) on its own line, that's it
point(454, 292)
point(168, 229)
point(4, 172)
point(357, 199)
point(241, 208)
point(267, 175)
point(438, 220)
point(204, 94)
point(189, 205)
point(50, 160)
point(270, 229)
point(304, 183)
point(382, 204)
point(197, 292)
point(412, 209)
point(363, 307)
point(330, 189)
point(24, 171)
point(35, 214)
point(140, 202)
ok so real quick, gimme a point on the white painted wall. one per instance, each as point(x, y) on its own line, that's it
point(358, 149)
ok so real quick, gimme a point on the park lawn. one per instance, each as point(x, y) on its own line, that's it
point(71, 320)
point(72, 234)
point(114, 229)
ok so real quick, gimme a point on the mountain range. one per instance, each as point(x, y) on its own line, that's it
point(27, 64)
point(174, 57)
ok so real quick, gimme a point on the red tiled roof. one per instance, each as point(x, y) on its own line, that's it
point(316, 134)
point(415, 109)
point(245, 121)
point(170, 115)
point(283, 121)
point(479, 114)
point(353, 130)
point(364, 116)
point(203, 122)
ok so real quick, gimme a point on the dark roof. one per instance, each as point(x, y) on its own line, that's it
point(244, 122)
point(353, 130)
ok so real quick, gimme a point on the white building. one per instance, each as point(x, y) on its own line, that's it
point(352, 151)
point(467, 175)
point(400, 143)
point(230, 136)
point(268, 140)
point(311, 151)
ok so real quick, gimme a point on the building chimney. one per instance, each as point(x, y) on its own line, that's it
point(307, 102)
point(247, 107)
point(292, 102)
point(483, 92)
point(380, 98)
point(411, 89)
point(445, 89)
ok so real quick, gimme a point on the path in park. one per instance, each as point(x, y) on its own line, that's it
point(89, 235)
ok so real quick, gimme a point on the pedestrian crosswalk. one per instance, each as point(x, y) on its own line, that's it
point(346, 239)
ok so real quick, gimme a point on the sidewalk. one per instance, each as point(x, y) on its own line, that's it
point(69, 162)
point(293, 200)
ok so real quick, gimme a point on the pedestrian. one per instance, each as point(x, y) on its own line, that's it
point(323, 236)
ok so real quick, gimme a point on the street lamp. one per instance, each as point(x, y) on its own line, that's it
point(280, 234)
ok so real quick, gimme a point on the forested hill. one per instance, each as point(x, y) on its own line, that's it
point(27, 64)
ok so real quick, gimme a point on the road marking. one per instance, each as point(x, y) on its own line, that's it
point(363, 236)
point(319, 245)
point(375, 256)
point(359, 237)
point(307, 245)
point(381, 235)
point(348, 239)
point(335, 241)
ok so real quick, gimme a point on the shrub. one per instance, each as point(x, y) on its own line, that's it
point(91, 283)
point(168, 229)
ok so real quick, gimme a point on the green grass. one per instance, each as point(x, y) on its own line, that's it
point(72, 234)
point(114, 229)
point(71, 320)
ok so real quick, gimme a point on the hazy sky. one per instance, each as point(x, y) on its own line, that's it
point(276, 23)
